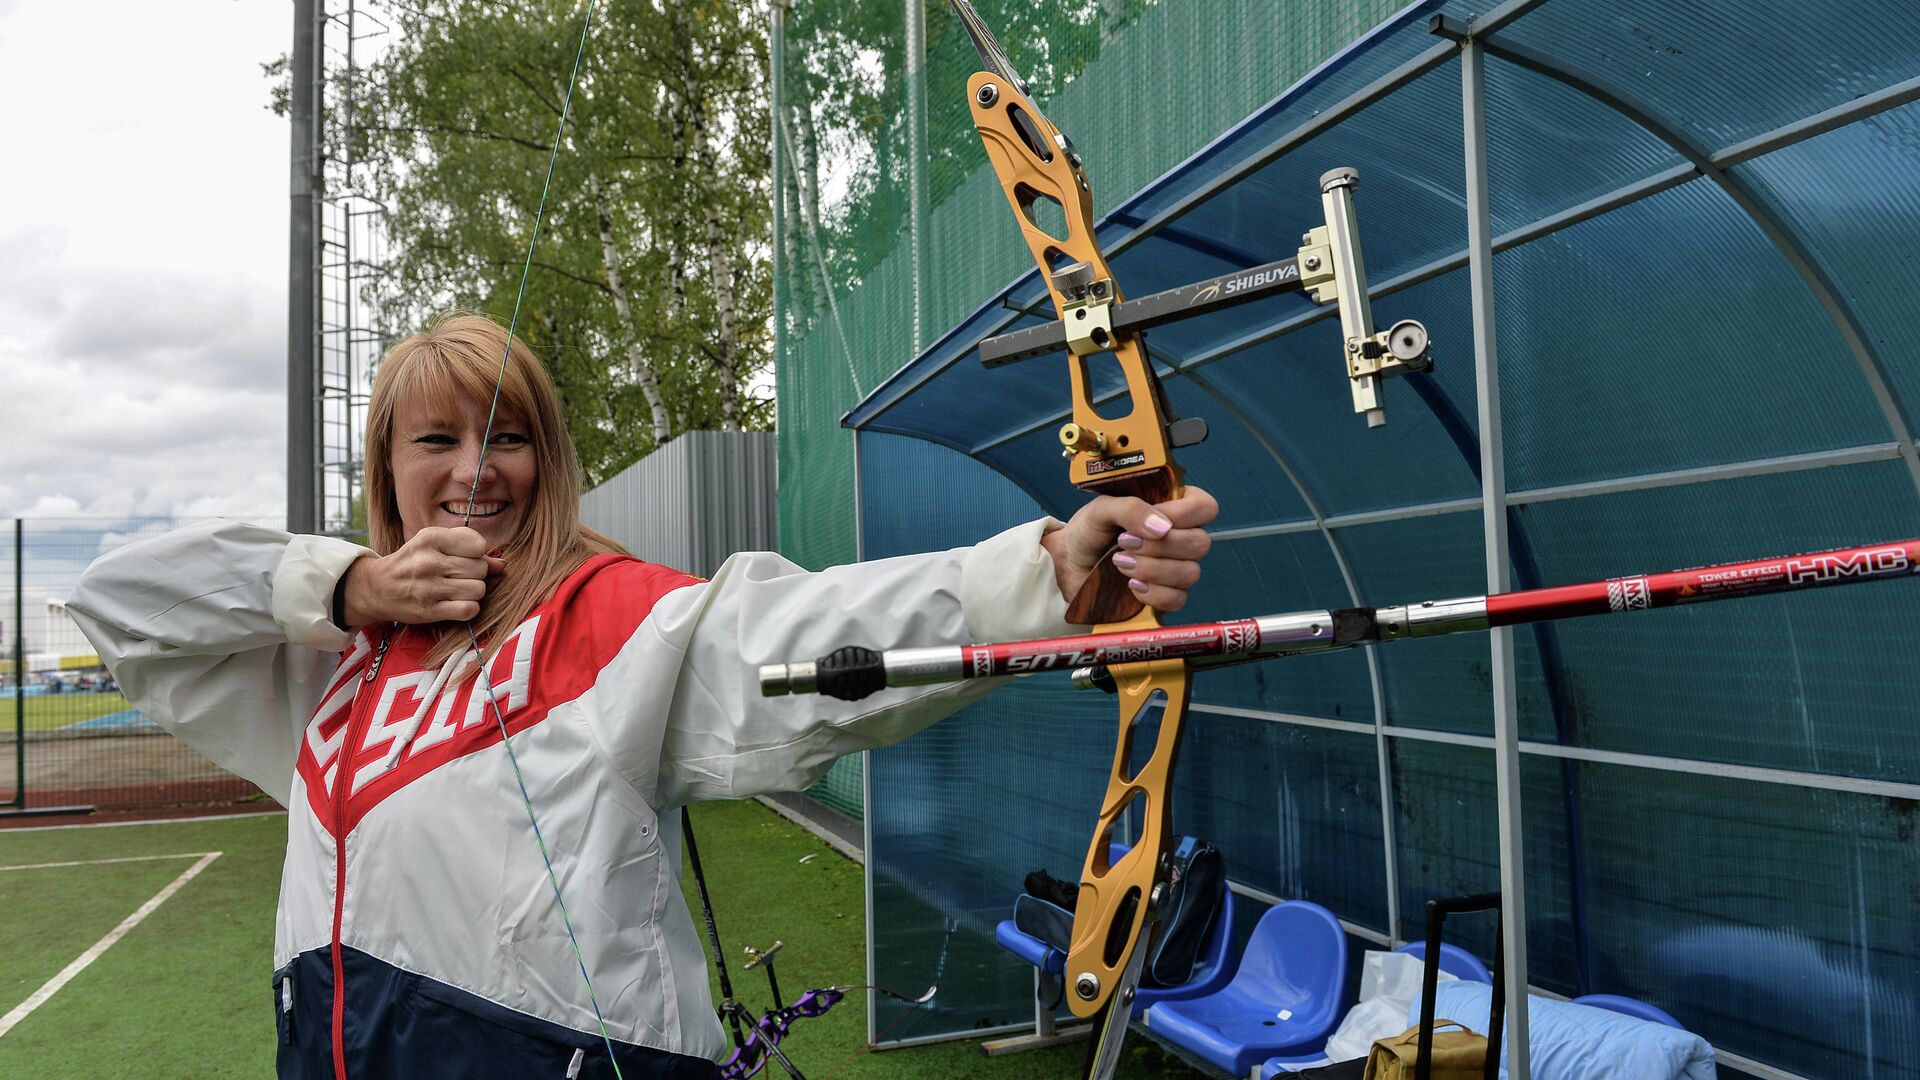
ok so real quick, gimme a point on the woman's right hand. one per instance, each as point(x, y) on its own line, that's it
point(440, 575)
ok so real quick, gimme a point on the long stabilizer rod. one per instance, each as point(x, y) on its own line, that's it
point(852, 673)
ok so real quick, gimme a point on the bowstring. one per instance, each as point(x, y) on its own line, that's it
point(486, 438)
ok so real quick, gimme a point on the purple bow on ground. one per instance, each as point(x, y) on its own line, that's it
point(767, 1032)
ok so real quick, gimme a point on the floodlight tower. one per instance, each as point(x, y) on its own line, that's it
point(336, 332)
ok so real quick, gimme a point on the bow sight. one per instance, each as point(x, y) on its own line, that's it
point(1328, 265)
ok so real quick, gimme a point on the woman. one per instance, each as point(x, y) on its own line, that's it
point(343, 682)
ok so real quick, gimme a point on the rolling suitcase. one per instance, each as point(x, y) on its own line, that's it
point(1437, 912)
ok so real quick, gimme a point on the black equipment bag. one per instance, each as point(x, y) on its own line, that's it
point(1196, 887)
point(1043, 919)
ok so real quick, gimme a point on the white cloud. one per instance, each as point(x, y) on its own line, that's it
point(52, 506)
point(143, 288)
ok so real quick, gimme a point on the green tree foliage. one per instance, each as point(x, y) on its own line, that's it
point(847, 113)
point(650, 295)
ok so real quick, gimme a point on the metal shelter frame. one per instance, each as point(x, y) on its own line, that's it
point(1473, 44)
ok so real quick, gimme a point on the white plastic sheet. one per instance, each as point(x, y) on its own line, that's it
point(1389, 985)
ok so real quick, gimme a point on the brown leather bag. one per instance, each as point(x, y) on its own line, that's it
point(1457, 1055)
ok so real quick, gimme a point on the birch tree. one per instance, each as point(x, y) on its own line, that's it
point(649, 295)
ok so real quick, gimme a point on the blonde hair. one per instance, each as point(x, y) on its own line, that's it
point(457, 355)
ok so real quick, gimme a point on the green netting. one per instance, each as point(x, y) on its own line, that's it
point(842, 788)
point(883, 245)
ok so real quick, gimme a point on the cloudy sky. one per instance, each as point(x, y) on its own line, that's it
point(143, 258)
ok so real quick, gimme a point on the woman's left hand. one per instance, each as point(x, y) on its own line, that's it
point(1160, 547)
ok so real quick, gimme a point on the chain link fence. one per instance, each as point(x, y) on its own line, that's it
point(69, 739)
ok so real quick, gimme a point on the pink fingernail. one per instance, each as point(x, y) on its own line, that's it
point(1138, 586)
point(1158, 526)
point(1125, 561)
point(1130, 542)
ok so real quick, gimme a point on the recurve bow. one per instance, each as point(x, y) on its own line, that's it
point(1132, 453)
point(1128, 451)
point(1128, 454)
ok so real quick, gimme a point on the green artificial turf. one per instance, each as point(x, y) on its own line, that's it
point(51, 712)
point(186, 994)
point(763, 891)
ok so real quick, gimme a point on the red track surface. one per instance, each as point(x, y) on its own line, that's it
point(149, 802)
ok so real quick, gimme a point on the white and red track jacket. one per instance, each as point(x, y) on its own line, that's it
point(412, 878)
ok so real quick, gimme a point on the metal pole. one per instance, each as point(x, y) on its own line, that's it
point(1493, 509)
point(17, 806)
point(866, 790)
point(19, 667)
point(302, 279)
point(347, 322)
point(777, 101)
point(1389, 802)
point(916, 16)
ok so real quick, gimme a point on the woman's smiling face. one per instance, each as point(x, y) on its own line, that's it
point(435, 448)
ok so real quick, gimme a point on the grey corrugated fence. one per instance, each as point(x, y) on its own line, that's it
point(693, 502)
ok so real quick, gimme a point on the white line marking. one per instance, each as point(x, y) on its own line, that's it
point(39, 997)
point(147, 821)
point(104, 862)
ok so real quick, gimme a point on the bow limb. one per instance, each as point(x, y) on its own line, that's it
point(1119, 453)
point(1125, 454)
point(1115, 899)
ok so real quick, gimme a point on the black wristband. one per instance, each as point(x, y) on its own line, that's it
point(340, 604)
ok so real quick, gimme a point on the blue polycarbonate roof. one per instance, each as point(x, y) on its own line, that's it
point(1705, 218)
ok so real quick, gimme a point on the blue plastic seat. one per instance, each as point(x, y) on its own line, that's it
point(1454, 960)
point(1029, 948)
point(1627, 1006)
point(1285, 999)
point(1287, 1064)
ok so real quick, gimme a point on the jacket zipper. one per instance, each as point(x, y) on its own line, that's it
point(373, 669)
point(342, 785)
